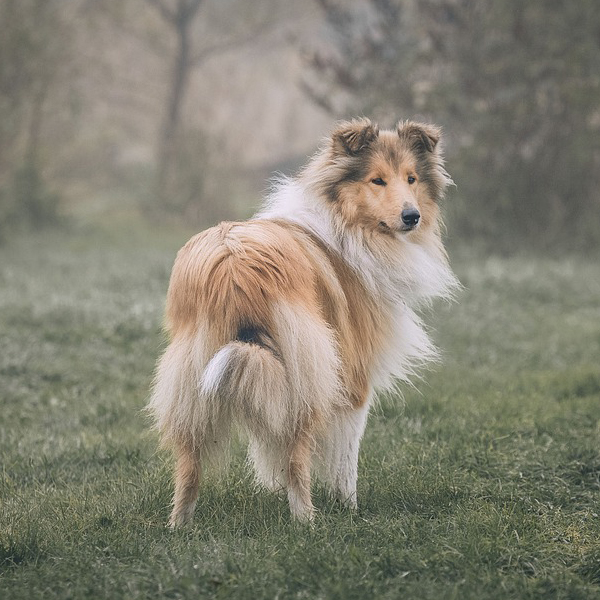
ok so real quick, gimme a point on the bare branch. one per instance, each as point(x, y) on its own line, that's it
point(330, 7)
point(165, 12)
point(323, 100)
point(225, 45)
point(187, 10)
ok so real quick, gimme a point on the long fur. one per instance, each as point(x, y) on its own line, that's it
point(286, 324)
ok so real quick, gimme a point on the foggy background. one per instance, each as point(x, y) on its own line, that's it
point(178, 111)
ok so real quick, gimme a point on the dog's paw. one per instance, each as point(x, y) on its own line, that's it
point(305, 517)
point(180, 519)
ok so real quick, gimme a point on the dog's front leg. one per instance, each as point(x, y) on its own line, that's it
point(342, 453)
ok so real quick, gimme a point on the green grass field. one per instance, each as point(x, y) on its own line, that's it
point(484, 482)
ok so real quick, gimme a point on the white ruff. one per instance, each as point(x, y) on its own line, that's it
point(414, 275)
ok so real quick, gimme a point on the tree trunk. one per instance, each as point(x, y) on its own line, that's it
point(170, 128)
point(35, 124)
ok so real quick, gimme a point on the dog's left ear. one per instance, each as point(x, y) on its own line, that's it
point(420, 136)
point(352, 137)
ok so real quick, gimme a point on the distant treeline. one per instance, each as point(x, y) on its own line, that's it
point(516, 86)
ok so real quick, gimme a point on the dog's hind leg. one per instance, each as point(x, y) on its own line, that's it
point(298, 479)
point(187, 480)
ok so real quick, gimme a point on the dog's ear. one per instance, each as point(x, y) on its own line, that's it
point(420, 136)
point(352, 137)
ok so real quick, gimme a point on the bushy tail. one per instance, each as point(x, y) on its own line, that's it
point(271, 383)
point(251, 381)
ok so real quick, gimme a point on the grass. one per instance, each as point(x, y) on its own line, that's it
point(482, 483)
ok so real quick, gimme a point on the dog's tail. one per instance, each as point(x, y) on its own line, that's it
point(275, 382)
point(248, 349)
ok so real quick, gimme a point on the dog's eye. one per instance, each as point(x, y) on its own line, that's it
point(411, 179)
point(378, 181)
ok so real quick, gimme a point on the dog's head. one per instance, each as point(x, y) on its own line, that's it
point(388, 181)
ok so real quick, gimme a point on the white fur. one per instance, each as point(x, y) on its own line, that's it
point(215, 370)
point(338, 453)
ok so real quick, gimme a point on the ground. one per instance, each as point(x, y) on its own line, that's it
point(482, 482)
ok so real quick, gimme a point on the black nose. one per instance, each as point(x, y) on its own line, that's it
point(410, 216)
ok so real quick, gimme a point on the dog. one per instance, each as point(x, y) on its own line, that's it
point(286, 324)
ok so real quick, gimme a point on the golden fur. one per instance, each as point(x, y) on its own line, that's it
point(285, 324)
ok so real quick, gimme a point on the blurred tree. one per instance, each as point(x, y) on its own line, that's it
point(174, 144)
point(517, 86)
point(180, 17)
point(35, 60)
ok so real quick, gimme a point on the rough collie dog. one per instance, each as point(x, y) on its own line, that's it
point(287, 323)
